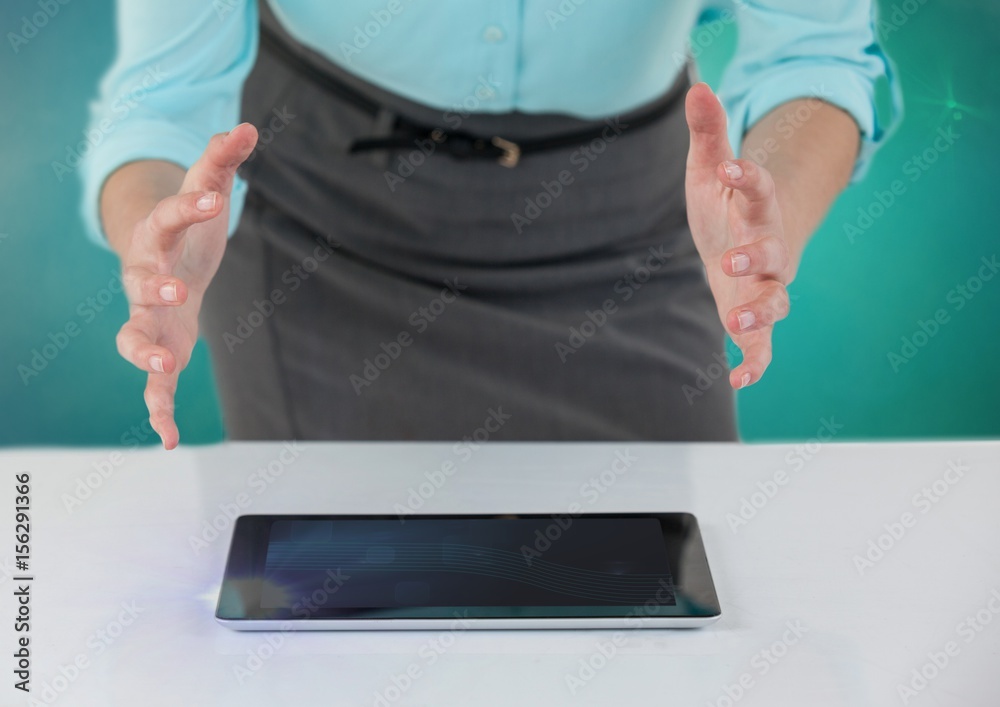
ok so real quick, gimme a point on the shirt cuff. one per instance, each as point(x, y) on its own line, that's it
point(145, 140)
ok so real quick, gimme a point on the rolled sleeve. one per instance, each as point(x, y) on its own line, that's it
point(789, 49)
point(176, 81)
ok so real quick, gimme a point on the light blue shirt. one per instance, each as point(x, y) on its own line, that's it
point(181, 64)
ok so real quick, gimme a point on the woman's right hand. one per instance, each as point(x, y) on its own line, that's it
point(167, 264)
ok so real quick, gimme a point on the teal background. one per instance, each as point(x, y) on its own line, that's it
point(852, 302)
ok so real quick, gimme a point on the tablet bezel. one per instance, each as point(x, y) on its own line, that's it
point(696, 601)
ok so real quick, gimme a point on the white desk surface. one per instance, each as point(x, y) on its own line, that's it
point(794, 563)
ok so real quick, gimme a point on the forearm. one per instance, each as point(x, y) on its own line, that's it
point(130, 194)
point(810, 160)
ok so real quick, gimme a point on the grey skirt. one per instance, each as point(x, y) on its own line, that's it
point(411, 295)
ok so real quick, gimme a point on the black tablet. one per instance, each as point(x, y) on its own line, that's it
point(608, 570)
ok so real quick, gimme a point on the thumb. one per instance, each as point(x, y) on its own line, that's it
point(217, 165)
point(706, 120)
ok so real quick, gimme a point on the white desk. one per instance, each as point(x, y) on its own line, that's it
point(793, 564)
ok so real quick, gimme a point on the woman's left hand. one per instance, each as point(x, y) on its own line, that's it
point(737, 227)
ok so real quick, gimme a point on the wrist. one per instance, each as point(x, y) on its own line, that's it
point(130, 194)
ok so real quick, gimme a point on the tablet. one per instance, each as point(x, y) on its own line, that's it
point(321, 572)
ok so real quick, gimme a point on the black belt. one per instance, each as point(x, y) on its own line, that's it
point(457, 143)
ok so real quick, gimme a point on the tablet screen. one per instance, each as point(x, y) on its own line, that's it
point(444, 566)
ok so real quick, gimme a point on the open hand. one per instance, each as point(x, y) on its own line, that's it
point(171, 258)
point(737, 228)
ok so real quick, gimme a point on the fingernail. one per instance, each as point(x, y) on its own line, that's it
point(745, 380)
point(746, 319)
point(206, 203)
point(733, 170)
point(156, 363)
point(741, 261)
point(169, 292)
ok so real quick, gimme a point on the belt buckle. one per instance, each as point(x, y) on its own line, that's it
point(511, 151)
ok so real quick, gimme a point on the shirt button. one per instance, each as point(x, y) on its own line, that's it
point(493, 34)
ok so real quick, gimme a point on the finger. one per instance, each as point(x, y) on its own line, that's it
point(756, 359)
point(138, 348)
point(706, 121)
point(770, 307)
point(159, 397)
point(755, 187)
point(173, 215)
point(146, 288)
point(225, 152)
point(768, 256)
